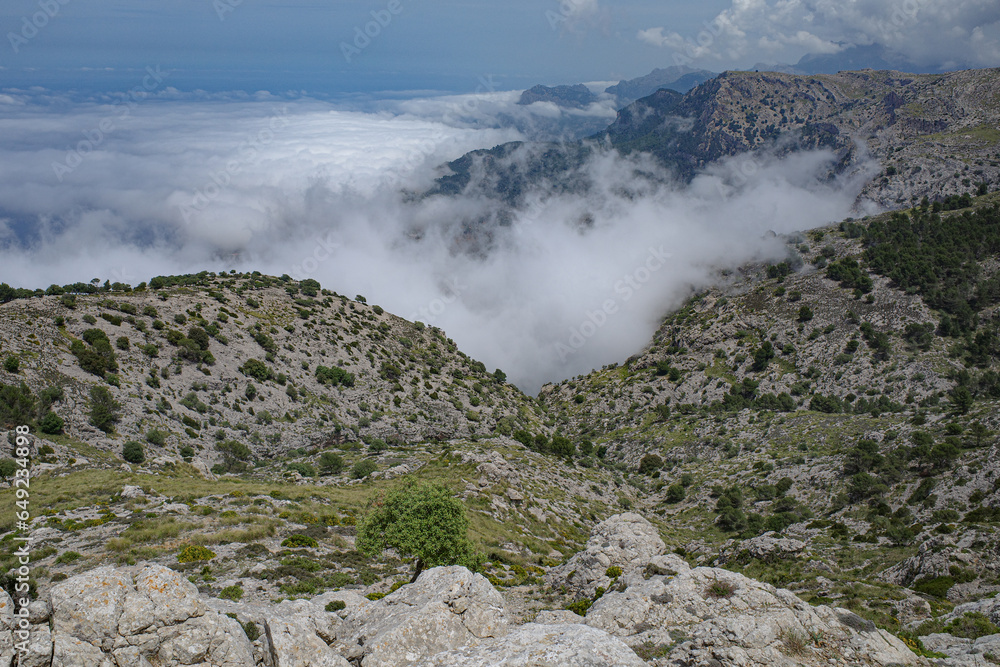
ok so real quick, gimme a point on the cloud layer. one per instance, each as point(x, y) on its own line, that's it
point(313, 190)
point(940, 34)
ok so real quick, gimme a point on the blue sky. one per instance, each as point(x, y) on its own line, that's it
point(297, 44)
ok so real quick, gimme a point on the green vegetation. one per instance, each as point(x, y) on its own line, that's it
point(424, 521)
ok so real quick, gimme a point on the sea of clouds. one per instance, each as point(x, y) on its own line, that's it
point(159, 182)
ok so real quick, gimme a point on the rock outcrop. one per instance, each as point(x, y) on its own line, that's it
point(626, 541)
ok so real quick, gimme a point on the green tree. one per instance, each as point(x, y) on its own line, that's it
point(105, 411)
point(423, 521)
point(7, 468)
point(133, 453)
point(331, 463)
point(675, 493)
point(961, 398)
point(12, 364)
point(805, 314)
point(763, 355)
point(51, 424)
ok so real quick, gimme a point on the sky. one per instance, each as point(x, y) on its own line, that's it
point(321, 46)
point(142, 138)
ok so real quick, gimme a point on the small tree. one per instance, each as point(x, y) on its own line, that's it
point(424, 521)
point(805, 314)
point(132, 452)
point(961, 398)
point(331, 463)
point(104, 409)
point(12, 364)
point(51, 424)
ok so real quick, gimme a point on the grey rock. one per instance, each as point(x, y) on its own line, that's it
point(769, 546)
point(161, 597)
point(625, 540)
point(557, 617)
point(39, 648)
point(732, 619)
point(87, 607)
point(294, 643)
point(69, 651)
point(446, 608)
point(133, 492)
point(537, 645)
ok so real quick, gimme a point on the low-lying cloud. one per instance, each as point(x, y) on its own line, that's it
point(566, 284)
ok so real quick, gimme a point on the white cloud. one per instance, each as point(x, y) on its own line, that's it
point(927, 32)
point(312, 190)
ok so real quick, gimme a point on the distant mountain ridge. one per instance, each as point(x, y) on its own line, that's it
point(933, 134)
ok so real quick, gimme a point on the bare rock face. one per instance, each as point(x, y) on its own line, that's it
point(551, 645)
point(769, 546)
point(446, 608)
point(109, 617)
point(625, 540)
point(711, 616)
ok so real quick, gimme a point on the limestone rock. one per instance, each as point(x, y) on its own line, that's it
point(534, 645)
point(161, 598)
point(768, 546)
point(39, 648)
point(296, 644)
point(87, 607)
point(717, 615)
point(625, 540)
point(108, 616)
point(133, 492)
point(962, 652)
point(446, 608)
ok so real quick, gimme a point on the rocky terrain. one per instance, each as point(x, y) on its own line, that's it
point(800, 468)
point(930, 135)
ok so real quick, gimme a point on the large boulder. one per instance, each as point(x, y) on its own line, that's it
point(112, 616)
point(962, 652)
point(627, 541)
point(710, 616)
point(534, 645)
point(445, 608)
point(767, 547)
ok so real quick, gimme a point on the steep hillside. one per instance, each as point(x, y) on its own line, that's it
point(846, 410)
point(932, 135)
point(206, 359)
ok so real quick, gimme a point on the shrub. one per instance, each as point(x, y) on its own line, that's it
point(187, 452)
point(936, 586)
point(12, 364)
point(51, 424)
point(972, 625)
point(675, 493)
point(256, 369)
point(105, 411)
point(132, 452)
point(613, 572)
point(331, 463)
point(649, 464)
point(122, 343)
point(298, 541)
point(304, 469)
point(234, 593)
point(156, 437)
point(334, 376)
point(363, 468)
point(720, 589)
point(424, 521)
point(252, 630)
point(194, 553)
point(335, 605)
